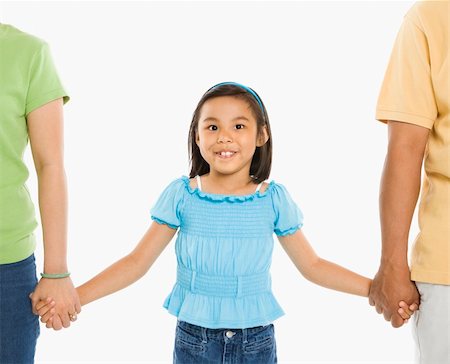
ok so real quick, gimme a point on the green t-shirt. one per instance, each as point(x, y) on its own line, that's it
point(28, 80)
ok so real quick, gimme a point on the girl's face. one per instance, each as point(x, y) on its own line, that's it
point(227, 135)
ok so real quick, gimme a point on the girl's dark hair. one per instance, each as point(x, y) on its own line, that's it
point(262, 159)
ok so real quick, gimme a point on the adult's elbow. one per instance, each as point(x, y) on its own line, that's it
point(407, 139)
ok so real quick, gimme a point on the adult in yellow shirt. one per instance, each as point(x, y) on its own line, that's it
point(414, 102)
point(31, 101)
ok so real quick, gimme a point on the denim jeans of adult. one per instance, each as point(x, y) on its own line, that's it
point(199, 345)
point(19, 327)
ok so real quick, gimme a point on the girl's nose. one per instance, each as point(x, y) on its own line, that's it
point(224, 138)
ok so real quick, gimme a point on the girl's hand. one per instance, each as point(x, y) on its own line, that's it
point(45, 309)
point(406, 311)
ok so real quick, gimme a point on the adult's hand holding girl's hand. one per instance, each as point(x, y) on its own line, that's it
point(390, 286)
point(66, 302)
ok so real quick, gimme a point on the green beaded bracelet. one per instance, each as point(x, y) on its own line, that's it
point(55, 276)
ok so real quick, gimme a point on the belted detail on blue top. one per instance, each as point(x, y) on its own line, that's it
point(223, 286)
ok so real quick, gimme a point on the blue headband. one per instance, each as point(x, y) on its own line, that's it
point(248, 89)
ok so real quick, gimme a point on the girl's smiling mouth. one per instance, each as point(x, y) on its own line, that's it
point(225, 154)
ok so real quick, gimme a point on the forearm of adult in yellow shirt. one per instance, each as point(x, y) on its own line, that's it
point(399, 191)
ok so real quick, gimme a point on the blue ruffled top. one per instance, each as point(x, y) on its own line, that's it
point(224, 252)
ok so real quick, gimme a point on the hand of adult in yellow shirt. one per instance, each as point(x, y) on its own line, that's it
point(390, 286)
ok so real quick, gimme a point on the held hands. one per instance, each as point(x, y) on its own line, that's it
point(46, 310)
point(394, 295)
point(56, 301)
point(406, 311)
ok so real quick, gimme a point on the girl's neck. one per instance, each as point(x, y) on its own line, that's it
point(233, 184)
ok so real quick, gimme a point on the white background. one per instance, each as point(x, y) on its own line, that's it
point(135, 71)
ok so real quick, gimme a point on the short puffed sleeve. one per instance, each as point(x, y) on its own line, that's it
point(288, 217)
point(167, 209)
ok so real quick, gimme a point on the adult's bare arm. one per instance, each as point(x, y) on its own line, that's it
point(45, 130)
point(399, 191)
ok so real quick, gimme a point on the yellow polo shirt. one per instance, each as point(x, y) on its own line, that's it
point(416, 91)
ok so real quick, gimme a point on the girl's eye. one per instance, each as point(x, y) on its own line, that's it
point(239, 126)
point(212, 127)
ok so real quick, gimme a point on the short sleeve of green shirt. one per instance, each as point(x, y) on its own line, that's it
point(44, 84)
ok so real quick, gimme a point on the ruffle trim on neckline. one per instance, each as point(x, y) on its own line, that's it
point(226, 198)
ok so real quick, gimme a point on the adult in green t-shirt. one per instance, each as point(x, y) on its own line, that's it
point(31, 100)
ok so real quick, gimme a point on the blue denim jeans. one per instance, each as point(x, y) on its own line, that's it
point(199, 345)
point(19, 328)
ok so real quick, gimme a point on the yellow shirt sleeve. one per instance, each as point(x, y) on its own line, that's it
point(407, 92)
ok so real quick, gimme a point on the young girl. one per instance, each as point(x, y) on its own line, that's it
point(225, 215)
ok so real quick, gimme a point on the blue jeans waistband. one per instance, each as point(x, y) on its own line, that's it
point(20, 263)
point(198, 330)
